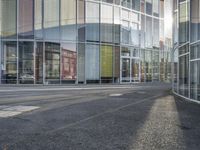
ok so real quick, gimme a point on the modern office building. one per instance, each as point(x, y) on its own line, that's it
point(186, 49)
point(82, 41)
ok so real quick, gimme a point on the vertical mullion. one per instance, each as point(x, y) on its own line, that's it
point(17, 25)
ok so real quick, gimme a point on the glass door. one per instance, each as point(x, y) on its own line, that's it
point(125, 70)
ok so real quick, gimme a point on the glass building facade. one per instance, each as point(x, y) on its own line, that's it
point(186, 49)
point(85, 41)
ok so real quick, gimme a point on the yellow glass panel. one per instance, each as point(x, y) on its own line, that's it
point(106, 61)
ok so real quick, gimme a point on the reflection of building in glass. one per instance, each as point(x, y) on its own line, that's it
point(82, 41)
point(186, 54)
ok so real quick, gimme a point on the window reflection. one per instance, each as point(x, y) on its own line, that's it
point(92, 20)
point(125, 70)
point(183, 22)
point(52, 62)
point(39, 53)
point(68, 62)
point(25, 19)
point(9, 21)
point(26, 63)
point(9, 62)
point(38, 33)
point(51, 19)
point(92, 63)
point(183, 73)
point(81, 63)
point(106, 23)
point(68, 20)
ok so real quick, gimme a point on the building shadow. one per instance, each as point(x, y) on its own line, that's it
point(189, 117)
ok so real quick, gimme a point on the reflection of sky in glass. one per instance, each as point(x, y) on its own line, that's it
point(168, 18)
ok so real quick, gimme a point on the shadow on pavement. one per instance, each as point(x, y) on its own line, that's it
point(189, 116)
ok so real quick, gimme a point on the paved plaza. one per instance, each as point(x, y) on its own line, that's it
point(97, 117)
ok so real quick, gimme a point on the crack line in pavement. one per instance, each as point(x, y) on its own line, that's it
point(105, 112)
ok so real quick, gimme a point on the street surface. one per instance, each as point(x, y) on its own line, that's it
point(97, 117)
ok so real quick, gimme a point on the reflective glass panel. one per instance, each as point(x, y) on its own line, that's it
point(52, 63)
point(149, 32)
point(135, 70)
point(9, 21)
point(125, 70)
point(195, 80)
point(38, 19)
point(92, 62)
point(195, 20)
point(81, 20)
point(68, 62)
point(26, 63)
point(116, 63)
point(81, 63)
point(106, 23)
point(51, 19)
point(183, 22)
point(183, 75)
point(68, 20)
point(149, 7)
point(25, 27)
point(9, 63)
point(92, 21)
point(39, 53)
point(106, 63)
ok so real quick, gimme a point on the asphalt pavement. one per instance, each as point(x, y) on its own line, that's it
point(97, 117)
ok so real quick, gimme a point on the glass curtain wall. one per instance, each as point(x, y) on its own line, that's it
point(78, 41)
point(186, 68)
